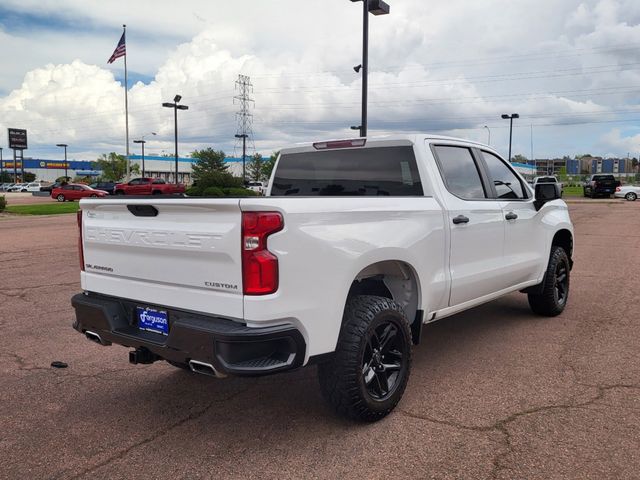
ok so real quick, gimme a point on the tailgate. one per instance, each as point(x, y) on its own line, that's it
point(177, 252)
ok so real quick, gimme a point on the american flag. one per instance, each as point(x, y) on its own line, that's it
point(120, 51)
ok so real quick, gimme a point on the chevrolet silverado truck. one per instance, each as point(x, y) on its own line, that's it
point(357, 244)
point(148, 186)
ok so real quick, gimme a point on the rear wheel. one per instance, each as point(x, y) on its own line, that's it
point(119, 192)
point(631, 197)
point(60, 198)
point(367, 376)
point(553, 298)
point(93, 195)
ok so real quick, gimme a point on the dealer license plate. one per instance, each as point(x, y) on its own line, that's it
point(153, 320)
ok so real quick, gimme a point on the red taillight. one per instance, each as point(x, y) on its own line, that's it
point(80, 249)
point(259, 265)
point(617, 189)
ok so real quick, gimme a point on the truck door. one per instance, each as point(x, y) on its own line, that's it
point(525, 238)
point(476, 224)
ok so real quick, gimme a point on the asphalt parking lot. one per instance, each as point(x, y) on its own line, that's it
point(495, 393)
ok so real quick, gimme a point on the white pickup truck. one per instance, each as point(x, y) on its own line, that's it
point(357, 244)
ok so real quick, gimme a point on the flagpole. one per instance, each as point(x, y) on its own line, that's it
point(126, 102)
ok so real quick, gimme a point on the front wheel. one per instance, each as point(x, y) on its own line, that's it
point(367, 376)
point(60, 198)
point(631, 197)
point(119, 192)
point(553, 298)
point(94, 195)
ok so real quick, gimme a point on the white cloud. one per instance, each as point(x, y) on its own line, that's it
point(434, 65)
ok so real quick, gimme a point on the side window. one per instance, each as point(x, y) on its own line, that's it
point(460, 172)
point(135, 182)
point(506, 182)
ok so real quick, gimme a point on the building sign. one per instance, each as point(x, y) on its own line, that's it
point(17, 138)
point(60, 165)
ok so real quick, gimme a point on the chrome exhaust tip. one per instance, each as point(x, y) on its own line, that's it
point(94, 337)
point(205, 369)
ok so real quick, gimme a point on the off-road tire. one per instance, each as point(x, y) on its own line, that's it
point(555, 294)
point(342, 379)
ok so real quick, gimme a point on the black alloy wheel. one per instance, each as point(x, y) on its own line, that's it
point(562, 283)
point(384, 361)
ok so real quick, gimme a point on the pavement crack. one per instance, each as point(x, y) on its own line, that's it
point(194, 415)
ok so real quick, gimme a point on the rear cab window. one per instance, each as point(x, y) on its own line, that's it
point(374, 171)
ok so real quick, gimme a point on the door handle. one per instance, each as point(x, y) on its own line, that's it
point(460, 219)
point(511, 216)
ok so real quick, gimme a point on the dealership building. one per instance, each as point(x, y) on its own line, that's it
point(161, 167)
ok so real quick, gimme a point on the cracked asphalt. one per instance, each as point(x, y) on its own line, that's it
point(495, 393)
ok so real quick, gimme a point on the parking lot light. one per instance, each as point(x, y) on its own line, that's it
point(510, 118)
point(65, 158)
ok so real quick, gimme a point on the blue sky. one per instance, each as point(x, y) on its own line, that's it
point(570, 68)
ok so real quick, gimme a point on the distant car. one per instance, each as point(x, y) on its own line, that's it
point(257, 187)
point(50, 187)
point(33, 187)
point(109, 187)
point(600, 184)
point(549, 179)
point(5, 186)
point(75, 191)
point(148, 186)
point(629, 192)
point(17, 187)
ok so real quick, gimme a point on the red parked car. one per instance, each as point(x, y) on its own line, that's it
point(148, 186)
point(75, 191)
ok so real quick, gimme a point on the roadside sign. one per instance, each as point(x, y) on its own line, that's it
point(17, 138)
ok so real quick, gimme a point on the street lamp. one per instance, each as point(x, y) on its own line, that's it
point(510, 118)
point(142, 142)
point(488, 130)
point(176, 107)
point(376, 7)
point(65, 158)
point(243, 136)
point(1, 167)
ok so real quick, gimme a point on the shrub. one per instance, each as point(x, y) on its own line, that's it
point(3, 203)
point(220, 180)
point(213, 192)
point(194, 192)
point(239, 192)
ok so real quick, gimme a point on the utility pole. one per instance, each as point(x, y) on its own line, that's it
point(244, 117)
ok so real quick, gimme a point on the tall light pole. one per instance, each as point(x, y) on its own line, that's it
point(243, 136)
point(176, 107)
point(65, 158)
point(1, 167)
point(377, 7)
point(142, 142)
point(488, 130)
point(510, 118)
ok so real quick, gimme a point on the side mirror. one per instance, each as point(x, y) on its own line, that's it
point(546, 192)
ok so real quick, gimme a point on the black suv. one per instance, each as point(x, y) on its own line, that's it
point(108, 187)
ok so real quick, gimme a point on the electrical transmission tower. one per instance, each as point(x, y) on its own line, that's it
point(244, 118)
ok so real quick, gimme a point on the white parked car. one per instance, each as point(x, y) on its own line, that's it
point(257, 187)
point(629, 192)
point(549, 179)
point(357, 244)
point(34, 186)
point(18, 187)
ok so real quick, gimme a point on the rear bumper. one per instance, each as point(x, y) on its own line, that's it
point(229, 346)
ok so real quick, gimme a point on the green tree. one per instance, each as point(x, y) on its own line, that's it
point(114, 166)
point(255, 168)
point(29, 177)
point(6, 177)
point(208, 161)
point(267, 166)
point(519, 159)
